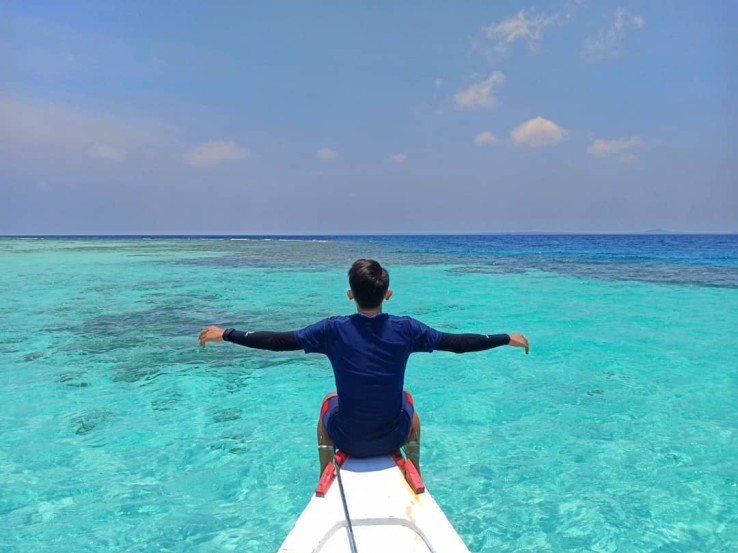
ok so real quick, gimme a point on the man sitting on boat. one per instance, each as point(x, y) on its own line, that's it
point(370, 413)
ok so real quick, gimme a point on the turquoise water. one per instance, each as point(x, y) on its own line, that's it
point(618, 433)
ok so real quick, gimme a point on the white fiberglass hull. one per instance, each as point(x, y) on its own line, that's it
point(386, 515)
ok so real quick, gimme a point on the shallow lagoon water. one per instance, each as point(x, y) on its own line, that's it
point(618, 432)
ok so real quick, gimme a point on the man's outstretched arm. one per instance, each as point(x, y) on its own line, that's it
point(273, 341)
point(464, 343)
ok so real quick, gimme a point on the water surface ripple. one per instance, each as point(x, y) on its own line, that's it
point(617, 433)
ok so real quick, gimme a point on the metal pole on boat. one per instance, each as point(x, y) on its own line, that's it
point(352, 541)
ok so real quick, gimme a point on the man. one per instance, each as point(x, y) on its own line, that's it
point(371, 413)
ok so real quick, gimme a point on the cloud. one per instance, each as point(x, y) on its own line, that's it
point(326, 154)
point(398, 158)
point(438, 83)
point(485, 138)
point(526, 26)
point(537, 132)
point(609, 43)
point(105, 151)
point(480, 95)
point(63, 134)
point(621, 148)
point(214, 152)
point(521, 26)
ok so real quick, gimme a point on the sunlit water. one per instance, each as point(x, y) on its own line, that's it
point(618, 433)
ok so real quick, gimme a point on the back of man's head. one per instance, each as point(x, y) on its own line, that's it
point(369, 282)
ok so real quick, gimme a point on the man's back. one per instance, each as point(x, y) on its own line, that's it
point(369, 356)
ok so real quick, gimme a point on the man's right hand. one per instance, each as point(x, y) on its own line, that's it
point(519, 341)
point(211, 334)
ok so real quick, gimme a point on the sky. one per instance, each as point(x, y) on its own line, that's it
point(327, 117)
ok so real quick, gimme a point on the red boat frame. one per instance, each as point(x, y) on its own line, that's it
point(411, 474)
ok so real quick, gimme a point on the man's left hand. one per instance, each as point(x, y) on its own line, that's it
point(211, 334)
point(519, 341)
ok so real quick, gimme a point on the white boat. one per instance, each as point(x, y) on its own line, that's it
point(388, 508)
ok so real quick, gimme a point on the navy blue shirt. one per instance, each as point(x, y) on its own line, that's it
point(369, 356)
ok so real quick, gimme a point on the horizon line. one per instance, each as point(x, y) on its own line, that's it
point(338, 235)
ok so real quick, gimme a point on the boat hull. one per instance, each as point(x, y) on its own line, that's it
point(386, 515)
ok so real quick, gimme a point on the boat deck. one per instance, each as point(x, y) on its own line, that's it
point(386, 515)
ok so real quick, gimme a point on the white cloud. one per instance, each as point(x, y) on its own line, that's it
point(214, 152)
point(64, 134)
point(526, 26)
point(621, 148)
point(326, 154)
point(105, 151)
point(480, 95)
point(609, 43)
point(537, 132)
point(485, 138)
point(521, 26)
point(398, 158)
point(438, 83)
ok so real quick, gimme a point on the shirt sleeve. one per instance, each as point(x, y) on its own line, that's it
point(273, 341)
point(313, 338)
point(425, 339)
point(464, 343)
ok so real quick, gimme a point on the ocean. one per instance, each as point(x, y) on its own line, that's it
point(618, 433)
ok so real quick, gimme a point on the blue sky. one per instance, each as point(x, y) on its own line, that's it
point(368, 117)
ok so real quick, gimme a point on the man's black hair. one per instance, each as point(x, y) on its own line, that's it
point(369, 282)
